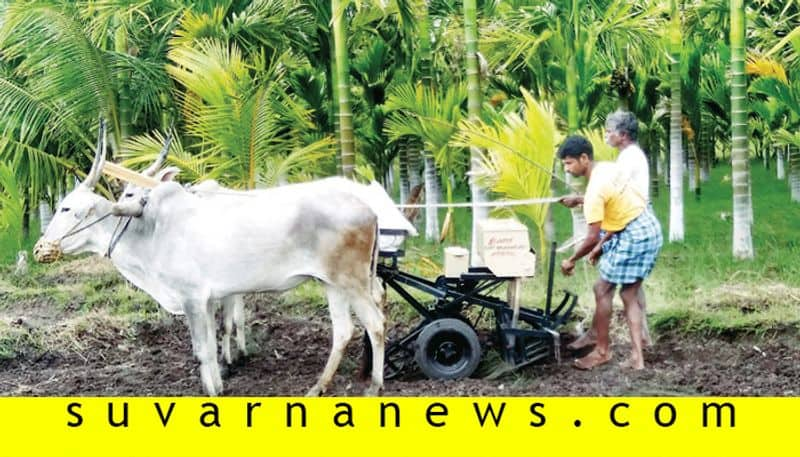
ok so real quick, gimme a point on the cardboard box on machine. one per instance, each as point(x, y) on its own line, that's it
point(456, 261)
point(504, 247)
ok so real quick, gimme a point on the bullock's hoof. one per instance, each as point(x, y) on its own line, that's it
point(373, 390)
point(315, 391)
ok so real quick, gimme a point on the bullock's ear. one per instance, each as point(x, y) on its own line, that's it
point(167, 174)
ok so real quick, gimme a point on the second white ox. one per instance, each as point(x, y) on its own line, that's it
point(187, 251)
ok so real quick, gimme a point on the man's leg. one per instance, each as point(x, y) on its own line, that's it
point(633, 314)
point(603, 295)
point(646, 340)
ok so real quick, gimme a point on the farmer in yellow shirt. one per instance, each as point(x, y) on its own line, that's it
point(625, 238)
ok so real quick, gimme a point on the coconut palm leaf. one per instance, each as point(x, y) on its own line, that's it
point(602, 151)
point(429, 113)
point(519, 158)
point(788, 94)
point(241, 119)
point(77, 78)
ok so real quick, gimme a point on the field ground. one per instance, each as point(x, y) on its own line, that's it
point(68, 339)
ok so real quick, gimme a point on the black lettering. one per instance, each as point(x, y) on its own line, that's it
point(537, 414)
point(289, 408)
point(482, 416)
point(164, 419)
point(72, 410)
point(441, 410)
point(124, 421)
point(672, 412)
point(718, 408)
point(250, 408)
point(213, 414)
point(348, 413)
point(614, 415)
point(396, 409)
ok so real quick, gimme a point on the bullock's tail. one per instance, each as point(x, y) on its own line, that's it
point(366, 359)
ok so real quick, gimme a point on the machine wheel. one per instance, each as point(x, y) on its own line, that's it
point(447, 349)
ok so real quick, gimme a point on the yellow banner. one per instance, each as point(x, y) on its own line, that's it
point(441, 427)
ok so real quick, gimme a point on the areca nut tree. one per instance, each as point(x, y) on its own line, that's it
point(742, 201)
point(430, 114)
point(479, 210)
point(676, 224)
point(342, 88)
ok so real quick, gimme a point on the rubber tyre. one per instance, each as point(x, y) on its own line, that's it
point(447, 349)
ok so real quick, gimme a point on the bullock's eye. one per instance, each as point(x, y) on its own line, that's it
point(64, 210)
point(129, 195)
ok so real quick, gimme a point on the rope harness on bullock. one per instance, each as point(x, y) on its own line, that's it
point(116, 236)
point(73, 230)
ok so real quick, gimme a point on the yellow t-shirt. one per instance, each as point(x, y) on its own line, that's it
point(610, 198)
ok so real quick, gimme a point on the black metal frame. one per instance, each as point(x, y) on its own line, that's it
point(518, 346)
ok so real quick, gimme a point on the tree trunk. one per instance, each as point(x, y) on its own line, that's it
point(691, 167)
point(779, 166)
point(794, 173)
point(123, 79)
point(26, 217)
point(653, 160)
point(402, 166)
point(479, 196)
point(431, 199)
point(343, 90)
point(388, 178)
point(45, 215)
point(675, 143)
point(742, 203)
point(706, 147)
point(414, 166)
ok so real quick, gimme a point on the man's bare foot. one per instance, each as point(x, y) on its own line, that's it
point(587, 339)
point(592, 360)
point(633, 363)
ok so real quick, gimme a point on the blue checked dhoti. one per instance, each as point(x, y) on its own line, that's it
point(630, 254)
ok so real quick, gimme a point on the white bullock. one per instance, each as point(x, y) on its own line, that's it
point(131, 203)
point(186, 252)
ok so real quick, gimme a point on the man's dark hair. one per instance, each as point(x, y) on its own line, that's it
point(623, 122)
point(574, 146)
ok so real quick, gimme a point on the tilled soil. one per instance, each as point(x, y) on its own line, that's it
point(287, 354)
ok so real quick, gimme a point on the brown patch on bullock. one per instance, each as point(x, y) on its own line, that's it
point(351, 261)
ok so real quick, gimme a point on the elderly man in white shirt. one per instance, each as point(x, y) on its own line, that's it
point(622, 131)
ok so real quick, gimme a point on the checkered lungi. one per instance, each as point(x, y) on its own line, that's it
point(630, 254)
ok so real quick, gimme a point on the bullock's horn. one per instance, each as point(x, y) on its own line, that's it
point(99, 158)
point(162, 156)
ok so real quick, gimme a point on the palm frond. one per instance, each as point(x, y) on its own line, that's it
point(520, 154)
point(765, 66)
point(76, 79)
point(11, 206)
point(602, 151)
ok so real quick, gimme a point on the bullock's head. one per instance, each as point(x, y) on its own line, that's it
point(67, 232)
point(133, 198)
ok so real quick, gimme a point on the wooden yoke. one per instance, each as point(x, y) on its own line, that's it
point(128, 175)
